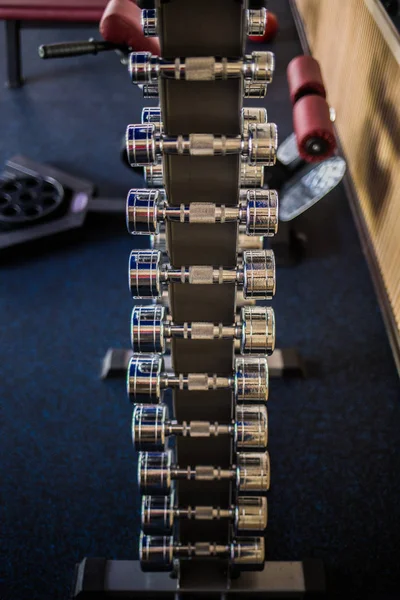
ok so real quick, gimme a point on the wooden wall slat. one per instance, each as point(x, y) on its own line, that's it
point(362, 77)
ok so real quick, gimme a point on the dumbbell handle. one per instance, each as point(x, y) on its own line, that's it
point(147, 68)
point(158, 553)
point(156, 472)
point(195, 381)
point(201, 274)
point(198, 429)
point(158, 513)
point(216, 332)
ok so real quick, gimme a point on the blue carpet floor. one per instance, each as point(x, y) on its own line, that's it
point(68, 471)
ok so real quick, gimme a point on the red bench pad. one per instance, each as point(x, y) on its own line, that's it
point(121, 24)
point(53, 10)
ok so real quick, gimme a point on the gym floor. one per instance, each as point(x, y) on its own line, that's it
point(68, 483)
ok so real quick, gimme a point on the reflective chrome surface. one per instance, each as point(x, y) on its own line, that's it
point(251, 379)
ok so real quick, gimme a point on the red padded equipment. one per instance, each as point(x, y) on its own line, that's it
point(312, 123)
point(304, 77)
point(52, 10)
point(121, 24)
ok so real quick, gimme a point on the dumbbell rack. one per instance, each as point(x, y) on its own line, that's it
point(204, 497)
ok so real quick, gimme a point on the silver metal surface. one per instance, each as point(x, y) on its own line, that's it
point(146, 68)
point(151, 330)
point(256, 21)
point(158, 552)
point(151, 426)
point(148, 276)
point(156, 472)
point(146, 379)
point(257, 211)
point(159, 513)
point(146, 145)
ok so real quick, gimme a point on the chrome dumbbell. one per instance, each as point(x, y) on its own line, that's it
point(251, 89)
point(148, 275)
point(146, 379)
point(251, 176)
point(151, 330)
point(158, 553)
point(156, 472)
point(151, 427)
point(256, 21)
point(146, 145)
point(159, 514)
point(147, 68)
point(146, 209)
point(152, 114)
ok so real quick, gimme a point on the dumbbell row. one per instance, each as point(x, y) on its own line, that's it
point(251, 176)
point(152, 114)
point(156, 472)
point(159, 514)
point(146, 380)
point(257, 67)
point(151, 330)
point(257, 211)
point(146, 145)
point(250, 89)
point(151, 427)
point(256, 21)
point(157, 553)
point(148, 275)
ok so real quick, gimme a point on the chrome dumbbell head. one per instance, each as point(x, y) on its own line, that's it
point(253, 115)
point(145, 67)
point(156, 472)
point(145, 145)
point(148, 325)
point(154, 176)
point(259, 274)
point(146, 209)
point(258, 330)
point(151, 427)
point(151, 330)
point(152, 114)
point(251, 176)
point(253, 90)
point(148, 276)
point(256, 21)
point(159, 514)
point(251, 379)
point(149, 22)
point(262, 144)
point(158, 553)
point(145, 379)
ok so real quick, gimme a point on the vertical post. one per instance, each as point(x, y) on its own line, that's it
point(13, 50)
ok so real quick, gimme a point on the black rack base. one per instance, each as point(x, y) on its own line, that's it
point(102, 578)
